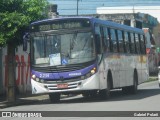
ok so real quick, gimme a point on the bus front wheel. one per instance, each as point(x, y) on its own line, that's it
point(105, 93)
point(90, 94)
point(54, 97)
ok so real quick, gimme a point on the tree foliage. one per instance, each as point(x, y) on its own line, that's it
point(16, 15)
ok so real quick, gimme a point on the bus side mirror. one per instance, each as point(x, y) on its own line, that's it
point(26, 38)
point(98, 43)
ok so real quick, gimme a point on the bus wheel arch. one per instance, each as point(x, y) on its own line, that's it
point(133, 88)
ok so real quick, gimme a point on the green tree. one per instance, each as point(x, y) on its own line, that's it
point(15, 16)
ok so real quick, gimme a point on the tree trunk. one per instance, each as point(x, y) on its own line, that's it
point(11, 95)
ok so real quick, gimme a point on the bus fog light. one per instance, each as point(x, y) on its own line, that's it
point(88, 75)
point(82, 77)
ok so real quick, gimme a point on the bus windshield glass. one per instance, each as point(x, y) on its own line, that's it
point(62, 49)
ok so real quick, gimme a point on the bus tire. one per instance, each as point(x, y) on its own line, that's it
point(134, 87)
point(92, 94)
point(54, 97)
point(125, 90)
point(105, 93)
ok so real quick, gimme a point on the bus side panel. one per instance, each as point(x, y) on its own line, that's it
point(144, 69)
point(138, 68)
point(129, 69)
point(112, 62)
point(122, 70)
point(103, 74)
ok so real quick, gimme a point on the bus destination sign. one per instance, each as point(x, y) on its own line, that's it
point(62, 24)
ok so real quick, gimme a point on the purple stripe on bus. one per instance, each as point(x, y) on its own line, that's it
point(63, 75)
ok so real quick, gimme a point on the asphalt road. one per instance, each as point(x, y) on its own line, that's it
point(147, 99)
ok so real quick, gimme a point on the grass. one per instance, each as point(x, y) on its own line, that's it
point(152, 78)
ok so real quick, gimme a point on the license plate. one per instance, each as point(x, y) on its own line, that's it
point(62, 85)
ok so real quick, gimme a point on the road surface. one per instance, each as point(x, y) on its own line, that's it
point(147, 99)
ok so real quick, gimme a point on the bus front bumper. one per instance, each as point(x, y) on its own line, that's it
point(91, 83)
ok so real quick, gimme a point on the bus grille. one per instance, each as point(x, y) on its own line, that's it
point(71, 85)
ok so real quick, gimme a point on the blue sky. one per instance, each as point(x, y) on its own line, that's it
point(69, 7)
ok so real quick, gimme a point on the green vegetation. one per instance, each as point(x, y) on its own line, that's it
point(152, 79)
point(15, 16)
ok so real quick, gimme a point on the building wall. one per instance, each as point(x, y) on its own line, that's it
point(152, 10)
point(22, 58)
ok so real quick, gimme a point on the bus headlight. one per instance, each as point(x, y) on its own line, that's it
point(34, 77)
point(89, 74)
point(93, 71)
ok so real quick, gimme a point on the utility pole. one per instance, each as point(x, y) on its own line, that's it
point(77, 6)
point(11, 77)
point(11, 80)
point(133, 21)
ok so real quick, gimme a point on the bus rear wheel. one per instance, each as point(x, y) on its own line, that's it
point(132, 89)
point(54, 97)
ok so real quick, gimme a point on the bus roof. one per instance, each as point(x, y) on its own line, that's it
point(95, 20)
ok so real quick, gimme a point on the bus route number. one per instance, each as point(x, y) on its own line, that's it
point(44, 75)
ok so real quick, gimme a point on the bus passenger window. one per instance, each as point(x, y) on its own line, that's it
point(137, 44)
point(144, 38)
point(120, 40)
point(103, 38)
point(106, 38)
point(113, 40)
point(98, 32)
point(142, 44)
point(126, 40)
point(132, 43)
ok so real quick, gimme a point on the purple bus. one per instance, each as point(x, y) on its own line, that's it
point(85, 55)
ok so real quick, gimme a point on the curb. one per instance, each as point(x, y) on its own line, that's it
point(17, 103)
point(23, 100)
point(28, 100)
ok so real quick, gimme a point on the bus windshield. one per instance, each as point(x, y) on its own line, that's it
point(63, 49)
